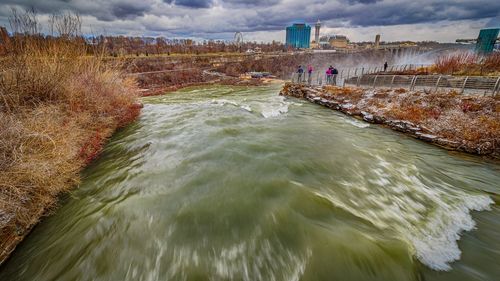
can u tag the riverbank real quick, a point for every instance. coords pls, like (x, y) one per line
(57, 109)
(457, 122)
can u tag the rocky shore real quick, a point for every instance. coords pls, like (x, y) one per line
(457, 122)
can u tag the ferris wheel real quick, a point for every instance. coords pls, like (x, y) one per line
(238, 39)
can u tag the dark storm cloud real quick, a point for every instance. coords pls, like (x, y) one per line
(217, 16)
(363, 1)
(383, 13)
(414, 12)
(129, 10)
(106, 10)
(251, 3)
(191, 3)
(48, 6)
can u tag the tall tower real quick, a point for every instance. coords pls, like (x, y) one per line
(316, 32)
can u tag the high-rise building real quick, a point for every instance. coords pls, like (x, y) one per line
(316, 32)
(377, 40)
(298, 36)
(486, 40)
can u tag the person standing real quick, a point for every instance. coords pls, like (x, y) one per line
(300, 71)
(335, 72)
(385, 66)
(309, 73)
(328, 75)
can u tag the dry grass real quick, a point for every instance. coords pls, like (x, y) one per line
(345, 93)
(468, 64)
(56, 109)
(472, 121)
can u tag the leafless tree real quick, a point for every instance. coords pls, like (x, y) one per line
(25, 22)
(65, 24)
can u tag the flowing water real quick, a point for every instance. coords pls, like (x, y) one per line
(236, 183)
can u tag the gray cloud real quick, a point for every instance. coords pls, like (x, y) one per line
(209, 17)
(191, 3)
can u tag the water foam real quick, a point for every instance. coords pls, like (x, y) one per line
(246, 107)
(430, 217)
(437, 244)
(274, 107)
(356, 123)
(258, 258)
(222, 102)
(274, 111)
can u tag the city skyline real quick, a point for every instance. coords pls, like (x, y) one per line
(360, 20)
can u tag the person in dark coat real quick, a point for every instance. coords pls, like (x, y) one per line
(300, 71)
(335, 72)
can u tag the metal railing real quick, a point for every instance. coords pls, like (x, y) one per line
(319, 77)
(481, 84)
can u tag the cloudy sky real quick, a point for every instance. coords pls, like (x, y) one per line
(264, 20)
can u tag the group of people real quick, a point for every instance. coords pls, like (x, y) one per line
(331, 74)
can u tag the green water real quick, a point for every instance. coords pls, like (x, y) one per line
(227, 183)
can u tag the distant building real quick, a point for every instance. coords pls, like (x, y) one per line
(377, 40)
(338, 41)
(486, 40)
(298, 36)
(334, 42)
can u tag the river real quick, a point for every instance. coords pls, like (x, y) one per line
(238, 183)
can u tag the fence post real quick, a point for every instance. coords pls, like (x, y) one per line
(392, 80)
(362, 70)
(413, 80)
(495, 87)
(358, 81)
(437, 83)
(375, 81)
(348, 73)
(463, 86)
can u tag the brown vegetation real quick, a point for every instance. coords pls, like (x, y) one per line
(468, 64)
(457, 117)
(56, 109)
(466, 123)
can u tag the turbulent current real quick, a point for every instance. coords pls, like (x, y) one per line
(239, 183)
